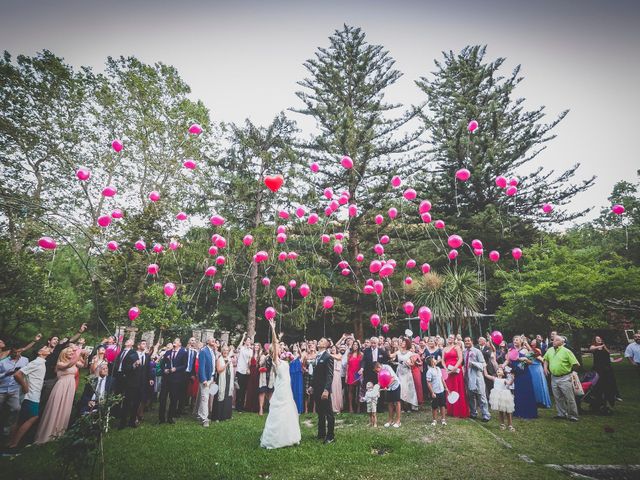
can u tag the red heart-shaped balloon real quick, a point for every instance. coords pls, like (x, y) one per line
(274, 182)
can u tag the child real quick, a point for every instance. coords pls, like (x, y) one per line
(501, 398)
(392, 395)
(438, 390)
(371, 397)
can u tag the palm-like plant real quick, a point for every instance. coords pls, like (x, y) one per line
(453, 297)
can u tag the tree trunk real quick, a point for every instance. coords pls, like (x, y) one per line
(253, 274)
(354, 248)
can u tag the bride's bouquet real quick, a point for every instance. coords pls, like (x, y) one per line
(287, 357)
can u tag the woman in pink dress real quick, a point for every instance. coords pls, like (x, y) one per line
(336, 385)
(353, 367)
(55, 418)
(452, 356)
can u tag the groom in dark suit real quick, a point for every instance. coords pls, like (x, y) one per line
(322, 379)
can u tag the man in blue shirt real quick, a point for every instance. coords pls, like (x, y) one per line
(9, 388)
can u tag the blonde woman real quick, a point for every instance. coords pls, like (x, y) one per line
(57, 412)
(98, 358)
(224, 398)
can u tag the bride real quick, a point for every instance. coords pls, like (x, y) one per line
(282, 428)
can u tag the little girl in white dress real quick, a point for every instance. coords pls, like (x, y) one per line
(501, 398)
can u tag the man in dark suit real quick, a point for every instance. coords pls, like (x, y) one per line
(96, 390)
(190, 372)
(370, 356)
(139, 376)
(120, 378)
(173, 365)
(322, 379)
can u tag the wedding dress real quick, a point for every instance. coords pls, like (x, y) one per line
(282, 428)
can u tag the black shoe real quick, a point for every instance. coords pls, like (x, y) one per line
(485, 420)
(473, 417)
(171, 421)
(327, 441)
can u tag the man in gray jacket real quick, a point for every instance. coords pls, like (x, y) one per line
(473, 364)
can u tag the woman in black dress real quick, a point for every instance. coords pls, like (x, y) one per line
(602, 366)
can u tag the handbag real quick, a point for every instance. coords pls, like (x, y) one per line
(577, 386)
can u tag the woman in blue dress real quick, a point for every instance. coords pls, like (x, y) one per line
(525, 400)
(297, 383)
(540, 387)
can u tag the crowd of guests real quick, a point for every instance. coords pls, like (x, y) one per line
(451, 376)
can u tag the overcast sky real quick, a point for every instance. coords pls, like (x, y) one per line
(242, 58)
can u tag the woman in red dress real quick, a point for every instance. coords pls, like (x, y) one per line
(452, 357)
(416, 371)
(353, 366)
(251, 398)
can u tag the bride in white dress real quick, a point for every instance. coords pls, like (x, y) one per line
(282, 428)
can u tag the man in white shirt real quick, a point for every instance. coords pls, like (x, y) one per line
(245, 351)
(9, 388)
(31, 379)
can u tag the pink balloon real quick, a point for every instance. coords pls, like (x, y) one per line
(501, 181)
(439, 224)
(140, 245)
(375, 266)
(453, 254)
(334, 205)
(266, 282)
(345, 272)
(379, 249)
(547, 208)
(109, 191)
(496, 337)
(247, 240)
(47, 243)
(304, 290)
(425, 206)
(375, 320)
(337, 247)
(169, 289)
(410, 194)
(345, 194)
(411, 263)
(424, 325)
(282, 256)
(516, 253)
(281, 291)
(379, 219)
(426, 217)
(343, 200)
(217, 220)
(189, 163)
(368, 289)
(104, 221)
(392, 262)
(343, 264)
(463, 174)
(426, 268)
(353, 210)
(511, 191)
(153, 269)
(473, 126)
(157, 248)
(213, 250)
(455, 241)
(261, 256)
(408, 280)
(314, 167)
(270, 313)
(133, 313)
(220, 260)
(396, 181)
(324, 238)
(283, 214)
(378, 287)
(424, 314)
(292, 283)
(221, 242)
(281, 237)
(117, 145)
(513, 181)
(346, 162)
(386, 271)
(154, 196)
(475, 243)
(478, 252)
(173, 245)
(339, 236)
(494, 256)
(281, 229)
(618, 209)
(181, 216)
(328, 193)
(384, 377)
(195, 129)
(300, 212)
(385, 328)
(83, 174)
(393, 213)
(359, 257)
(313, 219)
(408, 308)
(513, 355)
(112, 245)
(217, 286)
(328, 302)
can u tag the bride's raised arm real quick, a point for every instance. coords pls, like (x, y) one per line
(275, 343)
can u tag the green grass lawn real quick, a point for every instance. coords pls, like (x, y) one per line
(463, 449)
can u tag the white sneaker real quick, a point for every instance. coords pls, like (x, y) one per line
(205, 424)
(444, 422)
(396, 425)
(387, 425)
(434, 423)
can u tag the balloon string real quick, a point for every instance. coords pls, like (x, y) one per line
(51, 265)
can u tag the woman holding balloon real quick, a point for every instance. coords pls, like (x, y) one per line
(405, 363)
(519, 361)
(388, 381)
(454, 379)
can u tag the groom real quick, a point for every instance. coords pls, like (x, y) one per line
(322, 379)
